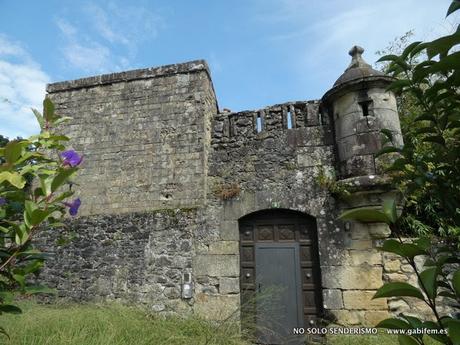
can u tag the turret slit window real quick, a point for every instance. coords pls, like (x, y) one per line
(289, 119)
(258, 123)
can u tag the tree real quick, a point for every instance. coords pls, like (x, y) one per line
(427, 167)
(26, 208)
(427, 171)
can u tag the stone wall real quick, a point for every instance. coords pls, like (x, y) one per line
(253, 168)
(142, 134)
(135, 257)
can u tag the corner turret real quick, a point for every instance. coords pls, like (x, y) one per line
(361, 106)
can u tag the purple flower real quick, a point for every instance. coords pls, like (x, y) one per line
(73, 206)
(71, 158)
(3, 201)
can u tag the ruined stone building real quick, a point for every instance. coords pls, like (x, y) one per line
(177, 195)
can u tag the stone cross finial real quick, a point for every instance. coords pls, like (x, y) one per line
(356, 58)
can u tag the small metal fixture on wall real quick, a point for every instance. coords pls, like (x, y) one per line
(187, 286)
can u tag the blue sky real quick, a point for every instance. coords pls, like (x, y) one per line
(261, 52)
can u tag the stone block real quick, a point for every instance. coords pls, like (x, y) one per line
(363, 257)
(406, 268)
(216, 265)
(362, 299)
(346, 317)
(332, 299)
(314, 156)
(224, 247)
(215, 307)
(343, 277)
(361, 244)
(359, 231)
(392, 266)
(397, 277)
(236, 208)
(372, 318)
(229, 230)
(398, 305)
(229, 285)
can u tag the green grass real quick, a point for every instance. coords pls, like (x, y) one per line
(113, 324)
(108, 325)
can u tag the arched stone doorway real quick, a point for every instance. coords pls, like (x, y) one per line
(279, 273)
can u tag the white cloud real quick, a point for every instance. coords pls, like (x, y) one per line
(90, 58)
(108, 37)
(22, 86)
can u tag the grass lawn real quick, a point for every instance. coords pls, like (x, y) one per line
(91, 324)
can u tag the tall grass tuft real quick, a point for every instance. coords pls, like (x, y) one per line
(111, 324)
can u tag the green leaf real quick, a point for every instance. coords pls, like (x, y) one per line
(62, 177)
(423, 243)
(39, 216)
(48, 110)
(442, 45)
(398, 289)
(389, 208)
(454, 331)
(454, 6)
(399, 85)
(407, 250)
(389, 57)
(365, 214)
(13, 151)
(39, 117)
(428, 279)
(22, 235)
(61, 120)
(409, 49)
(30, 207)
(437, 139)
(393, 323)
(413, 321)
(13, 178)
(446, 64)
(456, 282)
(45, 183)
(387, 133)
(407, 340)
(33, 266)
(424, 130)
(388, 149)
(425, 117)
(2, 331)
(439, 337)
(11, 309)
(447, 294)
(21, 279)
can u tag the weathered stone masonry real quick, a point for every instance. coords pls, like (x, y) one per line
(159, 157)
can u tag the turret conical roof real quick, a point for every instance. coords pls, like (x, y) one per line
(358, 68)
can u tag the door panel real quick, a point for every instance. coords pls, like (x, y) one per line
(278, 281)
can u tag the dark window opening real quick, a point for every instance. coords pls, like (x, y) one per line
(366, 107)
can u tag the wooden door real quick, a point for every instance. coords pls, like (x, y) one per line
(280, 277)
